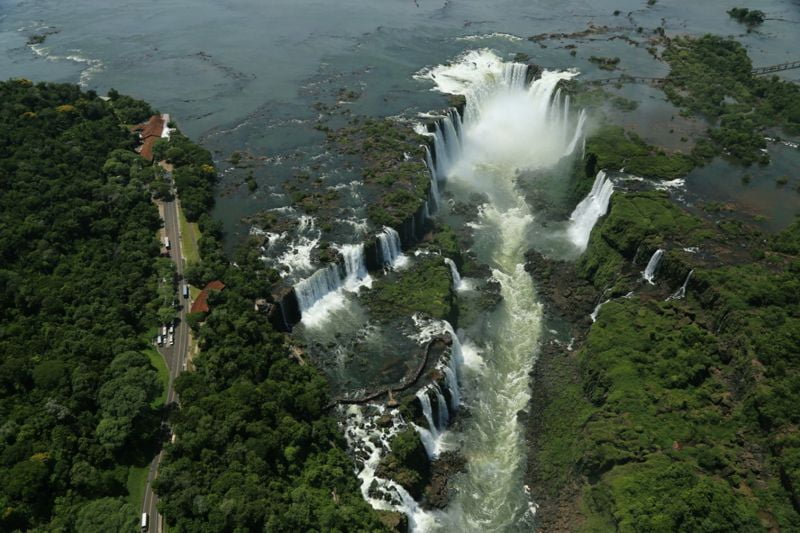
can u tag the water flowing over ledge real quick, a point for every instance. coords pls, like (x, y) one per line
(649, 273)
(589, 211)
(510, 122)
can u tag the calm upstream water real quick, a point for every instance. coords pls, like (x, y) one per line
(245, 76)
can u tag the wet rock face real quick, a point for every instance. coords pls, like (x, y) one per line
(560, 287)
(394, 521)
(407, 463)
(437, 494)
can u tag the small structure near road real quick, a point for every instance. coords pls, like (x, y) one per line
(149, 132)
(200, 305)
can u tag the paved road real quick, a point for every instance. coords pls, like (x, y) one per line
(175, 356)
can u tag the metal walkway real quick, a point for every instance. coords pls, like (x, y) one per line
(658, 81)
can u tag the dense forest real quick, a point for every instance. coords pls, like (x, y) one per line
(677, 412)
(79, 396)
(77, 291)
(257, 448)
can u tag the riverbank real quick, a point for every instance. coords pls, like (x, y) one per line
(669, 395)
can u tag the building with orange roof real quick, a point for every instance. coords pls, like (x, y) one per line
(200, 304)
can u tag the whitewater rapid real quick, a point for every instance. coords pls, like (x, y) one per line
(508, 126)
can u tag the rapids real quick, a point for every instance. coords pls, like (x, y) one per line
(509, 125)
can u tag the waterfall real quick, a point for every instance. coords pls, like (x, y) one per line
(681, 292)
(459, 284)
(453, 141)
(593, 316)
(391, 251)
(453, 370)
(452, 387)
(320, 293)
(589, 210)
(369, 443)
(312, 289)
(650, 270)
(431, 437)
(354, 264)
(510, 124)
(441, 407)
(437, 199)
(440, 150)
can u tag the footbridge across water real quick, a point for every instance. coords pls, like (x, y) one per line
(758, 71)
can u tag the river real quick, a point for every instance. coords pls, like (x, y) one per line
(245, 77)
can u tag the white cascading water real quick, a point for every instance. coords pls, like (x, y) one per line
(508, 126)
(597, 308)
(369, 442)
(459, 284)
(322, 292)
(681, 292)
(453, 387)
(391, 251)
(441, 407)
(437, 199)
(430, 436)
(649, 273)
(589, 210)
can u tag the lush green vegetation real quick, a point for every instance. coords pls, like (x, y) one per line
(681, 417)
(407, 463)
(193, 173)
(256, 449)
(399, 183)
(129, 110)
(615, 148)
(711, 76)
(425, 287)
(749, 17)
(605, 63)
(80, 414)
(78, 289)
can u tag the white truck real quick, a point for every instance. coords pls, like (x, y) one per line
(166, 242)
(144, 522)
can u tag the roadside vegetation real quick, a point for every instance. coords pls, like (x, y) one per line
(78, 290)
(256, 447)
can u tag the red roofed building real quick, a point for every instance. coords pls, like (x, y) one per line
(200, 305)
(149, 133)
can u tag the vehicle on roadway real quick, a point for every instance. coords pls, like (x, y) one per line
(160, 340)
(185, 290)
(166, 243)
(144, 521)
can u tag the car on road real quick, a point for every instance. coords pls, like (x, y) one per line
(185, 290)
(171, 339)
(160, 340)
